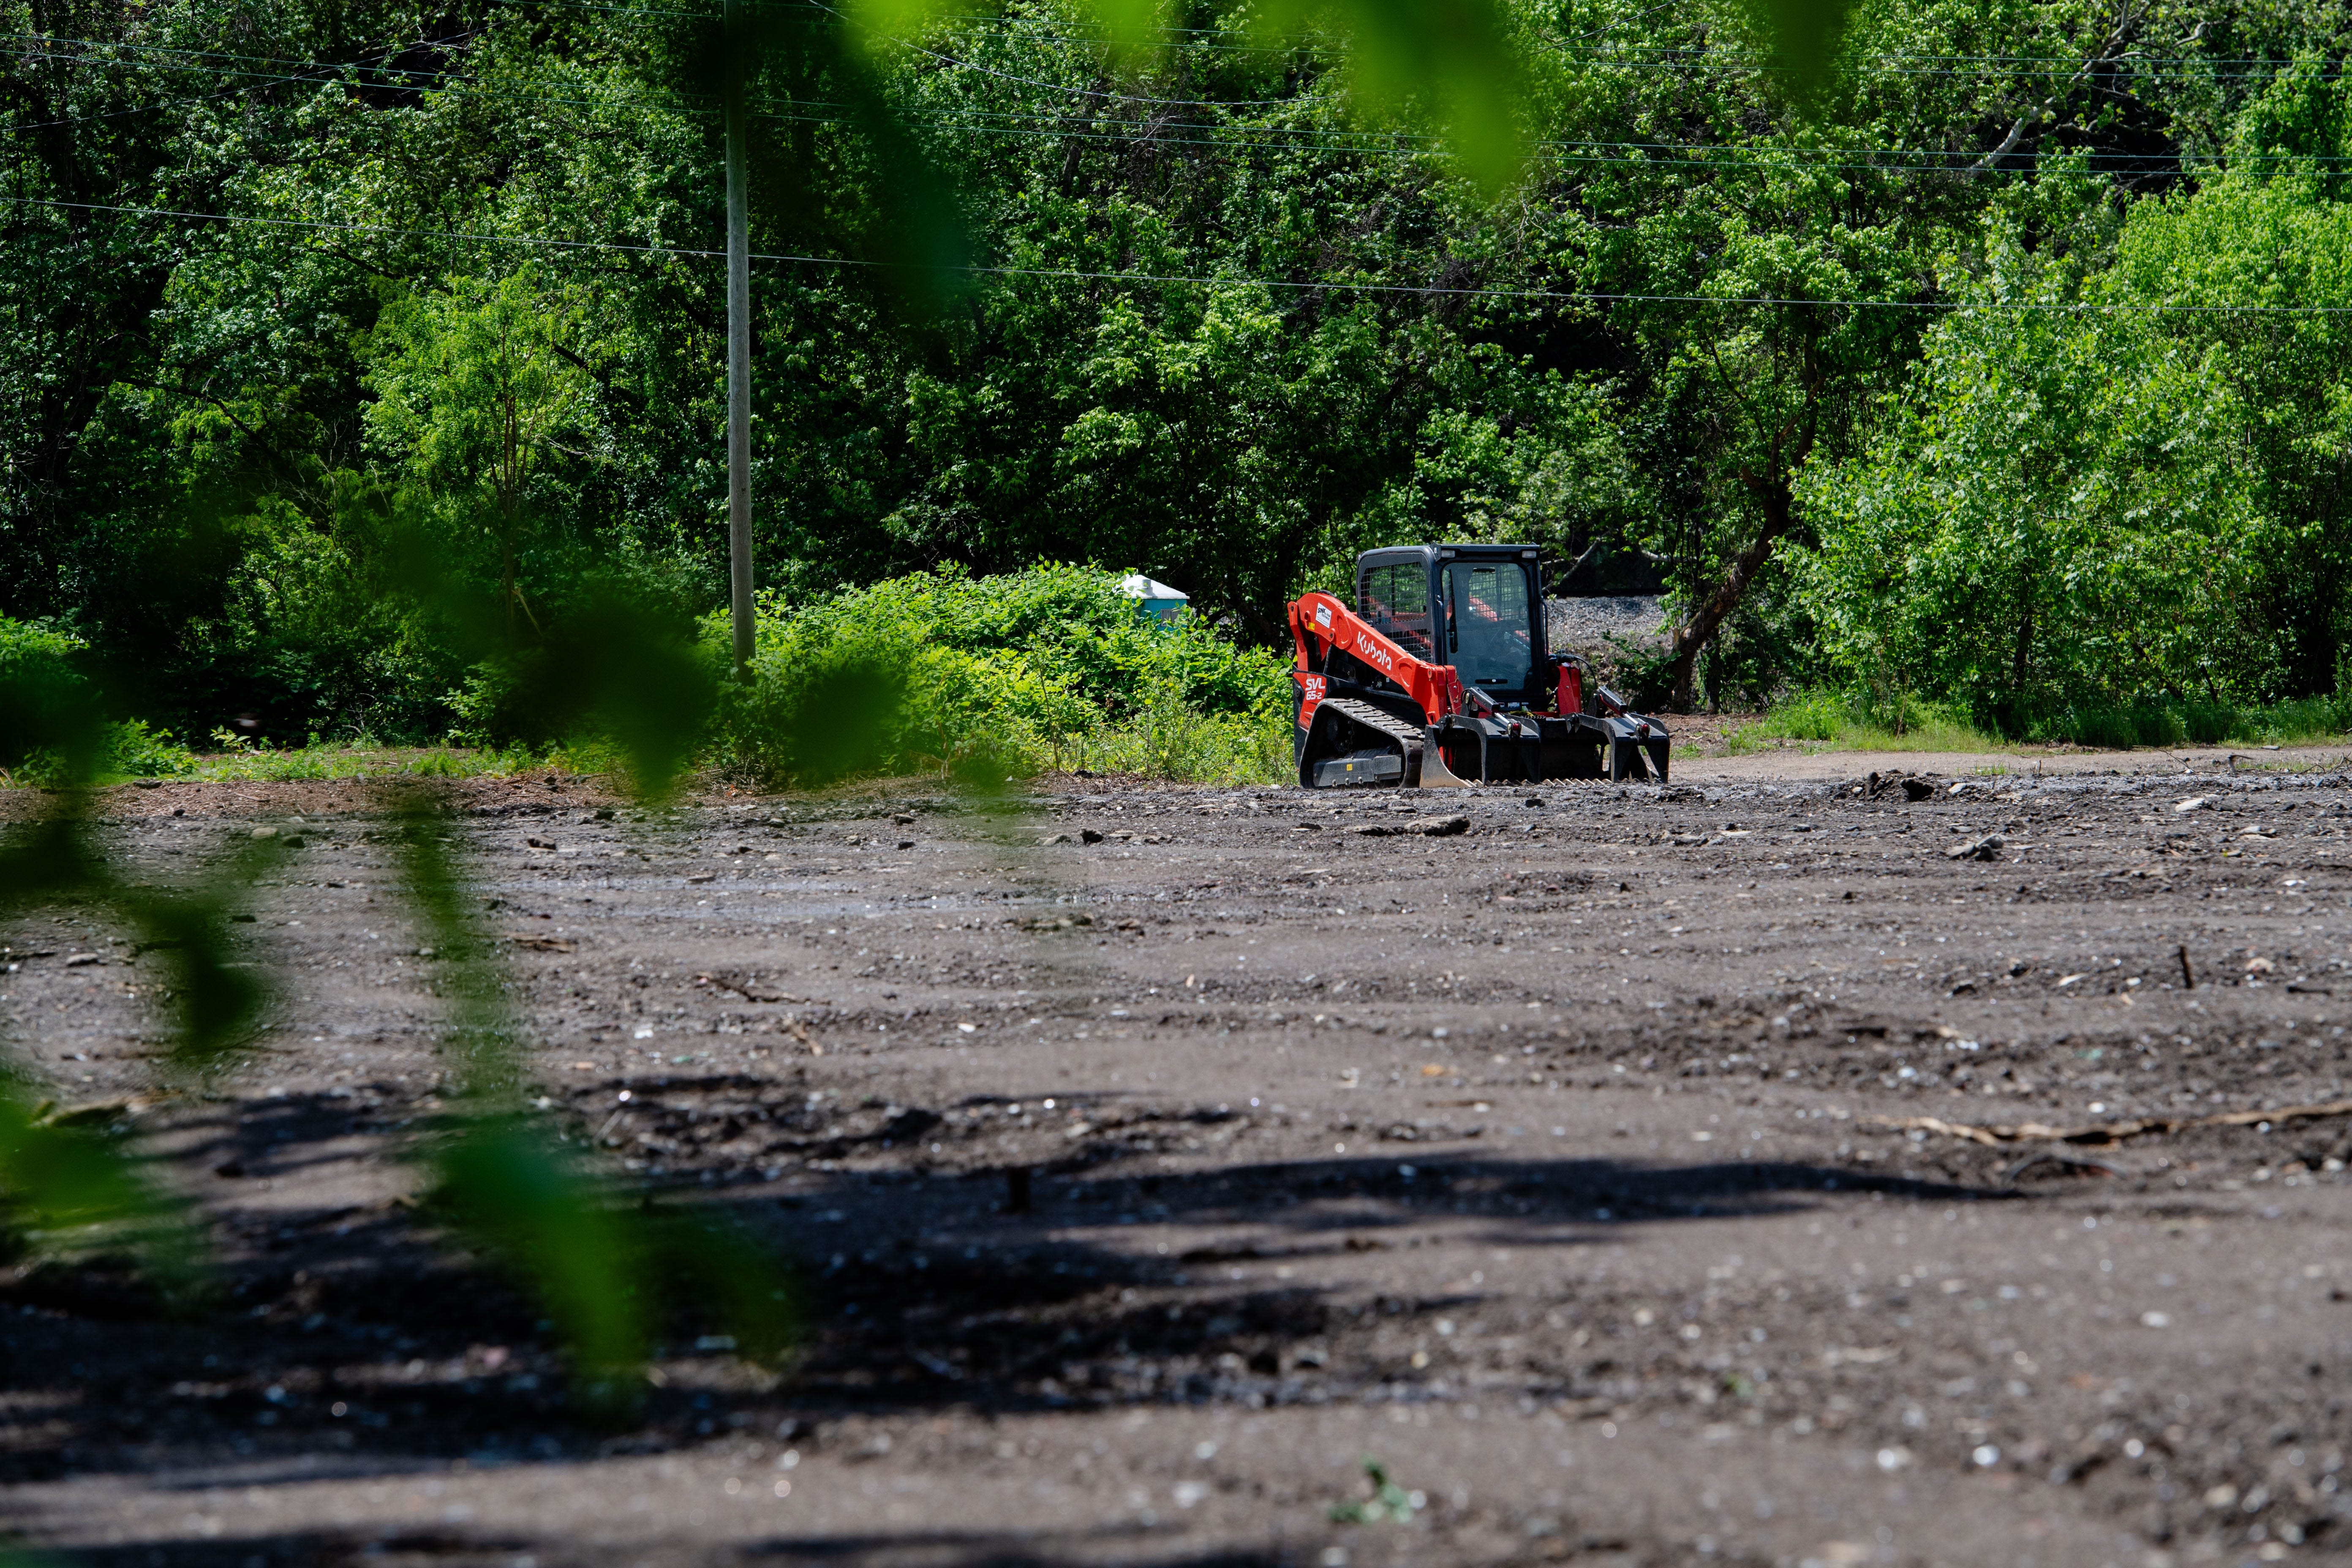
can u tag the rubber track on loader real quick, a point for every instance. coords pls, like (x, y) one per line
(1409, 736)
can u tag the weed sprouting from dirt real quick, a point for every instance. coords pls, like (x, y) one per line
(1388, 1504)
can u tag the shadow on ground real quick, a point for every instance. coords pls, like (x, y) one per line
(449, 1548)
(359, 1338)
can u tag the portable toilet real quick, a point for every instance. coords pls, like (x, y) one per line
(1158, 601)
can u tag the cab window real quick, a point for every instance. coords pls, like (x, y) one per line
(1396, 604)
(1492, 624)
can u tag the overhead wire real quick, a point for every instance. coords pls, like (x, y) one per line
(1699, 159)
(125, 44)
(1676, 55)
(311, 74)
(1655, 156)
(440, 81)
(2069, 62)
(1208, 279)
(417, 77)
(1035, 81)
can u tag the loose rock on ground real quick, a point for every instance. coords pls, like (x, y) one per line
(1586, 1170)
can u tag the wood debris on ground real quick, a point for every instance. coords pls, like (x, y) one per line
(2110, 1132)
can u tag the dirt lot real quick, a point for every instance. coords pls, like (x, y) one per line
(1548, 1165)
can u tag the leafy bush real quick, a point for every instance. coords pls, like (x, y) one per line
(1171, 739)
(612, 667)
(311, 633)
(52, 730)
(2311, 719)
(991, 676)
(134, 751)
(1810, 716)
(44, 697)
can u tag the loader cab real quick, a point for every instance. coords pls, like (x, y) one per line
(1478, 607)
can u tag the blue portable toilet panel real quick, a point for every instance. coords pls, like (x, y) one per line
(1159, 602)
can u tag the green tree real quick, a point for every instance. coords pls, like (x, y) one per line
(479, 385)
(2078, 507)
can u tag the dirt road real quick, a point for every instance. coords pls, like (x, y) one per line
(1560, 1167)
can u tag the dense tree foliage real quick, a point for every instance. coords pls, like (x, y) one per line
(1993, 365)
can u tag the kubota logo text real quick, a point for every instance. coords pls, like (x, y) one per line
(1368, 648)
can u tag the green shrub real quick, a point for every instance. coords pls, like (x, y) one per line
(48, 726)
(1171, 738)
(2207, 723)
(2107, 729)
(614, 668)
(993, 677)
(2311, 719)
(135, 751)
(52, 727)
(1810, 716)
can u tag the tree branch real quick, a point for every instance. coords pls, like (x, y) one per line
(2049, 109)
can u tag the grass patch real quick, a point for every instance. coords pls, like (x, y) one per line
(1831, 721)
(2305, 722)
(351, 760)
(360, 761)
(2314, 721)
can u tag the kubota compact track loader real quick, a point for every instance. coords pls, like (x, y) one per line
(1441, 675)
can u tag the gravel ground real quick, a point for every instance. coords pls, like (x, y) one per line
(1604, 625)
(1559, 1165)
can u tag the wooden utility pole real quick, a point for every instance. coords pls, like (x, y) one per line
(739, 347)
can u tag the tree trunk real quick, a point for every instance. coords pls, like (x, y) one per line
(2023, 661)
(1691, 638)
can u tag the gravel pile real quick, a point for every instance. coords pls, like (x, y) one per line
(1591, 626)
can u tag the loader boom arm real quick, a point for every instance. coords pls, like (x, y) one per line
(1321, 624)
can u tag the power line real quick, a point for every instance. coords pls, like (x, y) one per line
(2070, 62)
(1046, 125)
(120, 44)
(417, 75)
(1035, 81)
(1669, 154)
(1701, 159)
(221, 92)
(430, 81)
(1648, 156)
(1642, 56)
(1676, 55)
(1210, 280)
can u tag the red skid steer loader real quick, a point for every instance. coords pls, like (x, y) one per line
(1440, 676)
